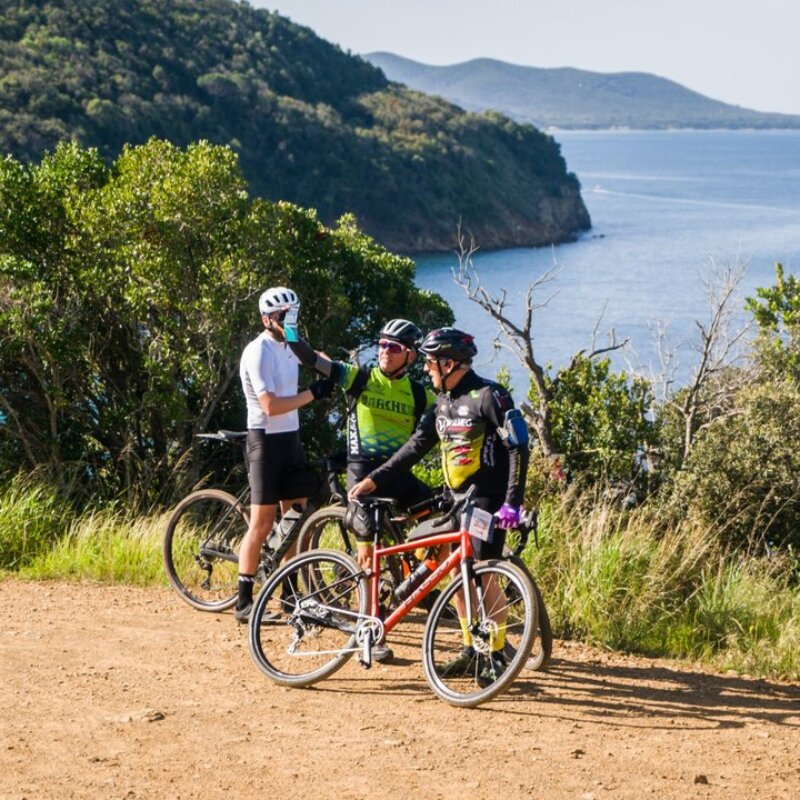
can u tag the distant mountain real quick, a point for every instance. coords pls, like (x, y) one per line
(573, 98)
(311, 124)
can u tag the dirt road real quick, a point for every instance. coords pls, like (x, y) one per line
(112, 692)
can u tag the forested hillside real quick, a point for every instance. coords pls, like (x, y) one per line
(574, 98)
(311, 123)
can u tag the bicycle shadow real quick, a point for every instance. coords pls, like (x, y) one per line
(626, 694)
(623, 695)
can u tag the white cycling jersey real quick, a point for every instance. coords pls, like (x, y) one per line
(269, 366)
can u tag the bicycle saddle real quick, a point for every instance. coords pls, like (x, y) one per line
(226, 436)
(368, 500)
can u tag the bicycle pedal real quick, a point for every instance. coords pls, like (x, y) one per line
(365, 662)
(365, 656)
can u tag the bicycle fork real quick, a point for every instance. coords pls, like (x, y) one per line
(482, 629)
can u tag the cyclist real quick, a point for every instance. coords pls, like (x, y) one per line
(484, 442)
(269, 372)
(384, 406)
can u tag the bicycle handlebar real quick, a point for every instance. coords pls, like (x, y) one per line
(458, 506)
(435, 503)
(529, 521)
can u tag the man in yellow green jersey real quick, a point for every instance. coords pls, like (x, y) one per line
(384, 407)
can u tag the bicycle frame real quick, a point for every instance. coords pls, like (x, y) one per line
(462, 557)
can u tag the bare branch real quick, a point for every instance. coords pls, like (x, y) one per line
(713, 385)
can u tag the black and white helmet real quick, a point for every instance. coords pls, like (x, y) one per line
(278, 298)
(402, 331)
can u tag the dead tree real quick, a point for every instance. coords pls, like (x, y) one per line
(717, 375)
(518, 338)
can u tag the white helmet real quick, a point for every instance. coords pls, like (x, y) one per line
(278, 298)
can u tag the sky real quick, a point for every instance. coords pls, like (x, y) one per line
(744, 52)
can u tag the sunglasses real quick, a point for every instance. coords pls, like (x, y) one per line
(391, 347)
(437, 362)
(279, 316)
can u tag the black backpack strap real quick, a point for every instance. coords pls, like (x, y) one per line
(420, 399)
(356, 387)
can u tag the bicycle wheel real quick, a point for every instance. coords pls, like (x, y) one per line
(325, 530)
(542, 648)
(200, 548)
(468, 675)
(301, 632)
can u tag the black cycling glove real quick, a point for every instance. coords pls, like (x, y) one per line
(322, 388)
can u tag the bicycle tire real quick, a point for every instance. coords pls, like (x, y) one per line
(542, 648)
(443, 641)
(300, 634)
(205, 523)
(325, 530)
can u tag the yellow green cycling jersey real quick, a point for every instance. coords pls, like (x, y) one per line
(382, 412)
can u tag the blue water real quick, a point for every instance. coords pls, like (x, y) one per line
(664, 206)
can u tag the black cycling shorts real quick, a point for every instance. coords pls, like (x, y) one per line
(407, 490)
(276, 465)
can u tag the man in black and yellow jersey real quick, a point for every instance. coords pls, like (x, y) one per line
(484, 443)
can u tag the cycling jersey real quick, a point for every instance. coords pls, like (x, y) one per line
(469, 421)
(383, 412)
(268, 365)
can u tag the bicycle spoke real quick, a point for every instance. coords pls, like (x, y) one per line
(305, 618)
(201, 549)
(467, 663)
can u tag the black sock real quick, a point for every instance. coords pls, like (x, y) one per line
(245, 590)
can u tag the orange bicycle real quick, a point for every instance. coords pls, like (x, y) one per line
(320, 608)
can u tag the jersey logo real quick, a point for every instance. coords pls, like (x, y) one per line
(353, 437)
(445, 425)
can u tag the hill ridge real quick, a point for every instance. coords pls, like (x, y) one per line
(311, 124)
(568, 97)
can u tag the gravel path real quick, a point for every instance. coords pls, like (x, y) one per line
(118, 692)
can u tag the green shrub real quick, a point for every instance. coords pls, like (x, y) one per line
(634, 580)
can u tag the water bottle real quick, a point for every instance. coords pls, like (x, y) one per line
(284, 528)
(413, 581)
(290, 331)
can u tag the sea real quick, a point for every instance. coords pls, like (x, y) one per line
(671, 212)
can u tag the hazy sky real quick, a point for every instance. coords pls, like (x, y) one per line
(745, 52)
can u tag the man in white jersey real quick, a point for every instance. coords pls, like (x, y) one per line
(269, 372)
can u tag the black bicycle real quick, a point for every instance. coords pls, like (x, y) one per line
(205, 530)
(516, 541)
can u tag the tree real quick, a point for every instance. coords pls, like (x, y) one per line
(776, 311)
(595, 419)
(718, 374)
(740, 475)
(127, 295)
(601, 420)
